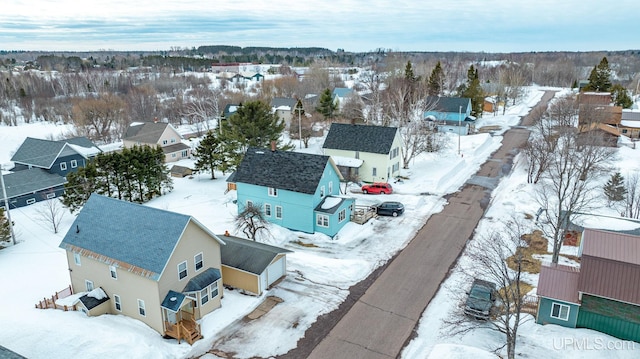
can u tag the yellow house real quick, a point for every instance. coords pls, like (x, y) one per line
(159, 267)
(365, 153)
(157, 134)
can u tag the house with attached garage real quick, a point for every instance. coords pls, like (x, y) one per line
(251, 266)
(365, 153)
(602, 294)
(40, 167)
(157, 134)
(159, 267)
(295, 190)
(450, 114)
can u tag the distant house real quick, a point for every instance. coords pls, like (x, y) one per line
(450, 114)
(630, 123)
(284, 108)
(41, 166)
(295, 190)
(251, 266)
(252, 76)
(159, 267)
(157, 134)
(367, 153)
(340, 95)
(603, 294)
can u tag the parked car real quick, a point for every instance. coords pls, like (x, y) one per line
(480, 299)
(377, 188)
(389, 209)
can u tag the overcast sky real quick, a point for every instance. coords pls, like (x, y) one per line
(353, 25)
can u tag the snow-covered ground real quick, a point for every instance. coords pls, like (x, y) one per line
(317, 280)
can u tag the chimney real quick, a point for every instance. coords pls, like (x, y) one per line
(226, 233)
(273, 146)
(155, 120)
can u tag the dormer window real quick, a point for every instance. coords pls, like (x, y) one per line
(164, 142)
(273, 192)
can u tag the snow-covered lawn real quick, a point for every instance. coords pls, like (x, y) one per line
(317, 280)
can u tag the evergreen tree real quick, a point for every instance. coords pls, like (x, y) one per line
(409, 75)
(209, 154)
(436, 81)
(600, 77)
(614, 189)
(326, 106)
(80, 185)
(473, 90)
(621, 96)
(5, 230)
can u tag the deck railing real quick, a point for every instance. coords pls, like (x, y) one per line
(51, 302)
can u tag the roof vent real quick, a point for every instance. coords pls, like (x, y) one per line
(173, 299)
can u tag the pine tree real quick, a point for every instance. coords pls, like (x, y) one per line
(473, 90)
(621, 96)
(436, 81)
(600, 77)
(614, 189)
(209, 154)
(5, 229)
(326, 106)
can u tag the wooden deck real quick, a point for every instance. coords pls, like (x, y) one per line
(46, 303)
(361, 214)
(187, 329)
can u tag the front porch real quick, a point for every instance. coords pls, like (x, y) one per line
(178, 318)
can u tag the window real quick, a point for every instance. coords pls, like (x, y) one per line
(164, 142)
(342, 215)
(63, 166)
(76, 259)
(173, 140)
(204, 296)
(330, 187)
(185, 153)
(141, 309)
(182, 270)
(198, 261)
(374, 171)
(51, 195)
(249, 204)
(117, 303)
(74, 163)
(396, 167)
(322, 220)
(31, 201)
(214, 289)
(279, 212)
(173, 155)
(267, 210)
(89, 285)
(273, 192)
(322, 191)
(112, 270)
(560, 311)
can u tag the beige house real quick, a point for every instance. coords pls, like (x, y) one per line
(159, 267)
(251, 266)
(157, 134)
(365, 153)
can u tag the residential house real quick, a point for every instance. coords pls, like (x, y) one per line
(157, 134)
(602, 294)
(284, 108)
(159, 267)
(295, 190)
(252, 76)
(365, 153)
(40, 167)
(630, 123)
(251, 266)
(340, 95)
(450, 114)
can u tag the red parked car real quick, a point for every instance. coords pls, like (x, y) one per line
(377, 188)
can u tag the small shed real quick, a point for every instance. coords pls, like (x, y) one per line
(251, 266)
(181, 171)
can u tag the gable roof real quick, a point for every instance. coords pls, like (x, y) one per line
(118, 231)
(279, 102)
(371, 139)
(560, 282)
(146, 132)
(448, 104)
(341, 92)
(40, 153)
(291, 171)
(173, 301)
(249, 256)
(613, 246)
(202, 280)
(31, 180)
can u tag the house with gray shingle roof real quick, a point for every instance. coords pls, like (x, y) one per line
(340, 95)
(295, 190)
(284, 108)
(450, 114)
(157, 134)
(160, 267)
(251, 266)
(365, 153)
(31, 186)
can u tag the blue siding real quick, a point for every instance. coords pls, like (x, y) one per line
(21, 201)
(544, 313)
(56, 168)
(334, 223)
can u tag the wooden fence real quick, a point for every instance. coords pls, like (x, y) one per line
(530, 305)
(51, 302)
(361, 214)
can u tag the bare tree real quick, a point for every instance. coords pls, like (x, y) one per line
(202, 109)
(51, 211)
(632, 197)
(251, 220)
(490, 257)
(97, 117)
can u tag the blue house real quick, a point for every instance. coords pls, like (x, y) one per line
(340, 95)
(299, 191)
(450, 114)
(40, 167)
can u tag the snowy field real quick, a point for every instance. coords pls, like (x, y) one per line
(317, 280)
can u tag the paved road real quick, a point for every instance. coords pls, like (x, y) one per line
(381, 322)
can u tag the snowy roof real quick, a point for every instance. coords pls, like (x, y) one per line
(43, 153)
(347, 161)
(630, 123)
(94, 298)
(250, 256)
(329, 204)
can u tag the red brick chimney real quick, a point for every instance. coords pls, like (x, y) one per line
(155, 120)
(273, 146)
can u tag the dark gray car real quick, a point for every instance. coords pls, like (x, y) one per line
(389, 208)
(480, 299)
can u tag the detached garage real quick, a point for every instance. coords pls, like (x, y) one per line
(251, 266)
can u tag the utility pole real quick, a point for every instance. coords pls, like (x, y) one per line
(299, 109)
(459, 126)
(6, 206)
